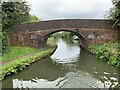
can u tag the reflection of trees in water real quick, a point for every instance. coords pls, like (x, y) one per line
(105, 73)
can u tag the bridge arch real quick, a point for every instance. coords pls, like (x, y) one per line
(82, 38)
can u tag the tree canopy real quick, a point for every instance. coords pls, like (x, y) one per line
(14, 13)
(114, 12)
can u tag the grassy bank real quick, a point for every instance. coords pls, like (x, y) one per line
(22, 63)
(107, 52)
(16, 51)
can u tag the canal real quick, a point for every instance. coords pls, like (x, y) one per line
(68, 67)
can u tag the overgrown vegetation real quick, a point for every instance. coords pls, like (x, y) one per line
(15, 52)
(22, 63)
(108, 52)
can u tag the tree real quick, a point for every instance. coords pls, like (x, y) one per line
(114, 12)
(13, 13)
(33, 18)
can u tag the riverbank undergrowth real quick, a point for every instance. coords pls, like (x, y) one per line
(108, 52)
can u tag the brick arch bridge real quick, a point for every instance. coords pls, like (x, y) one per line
(90, 31)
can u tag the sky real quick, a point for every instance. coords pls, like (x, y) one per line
(69, 9)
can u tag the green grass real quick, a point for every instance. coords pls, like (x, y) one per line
(108, 52)
(16, 51)
(22, 63)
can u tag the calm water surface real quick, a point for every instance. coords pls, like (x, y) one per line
(68, 67)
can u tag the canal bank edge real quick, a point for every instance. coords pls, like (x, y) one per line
(22, 63)
(107, 52)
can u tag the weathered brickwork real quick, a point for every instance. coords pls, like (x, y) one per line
(99, 35)
(90, 31)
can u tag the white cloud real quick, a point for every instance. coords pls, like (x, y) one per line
(58, 9)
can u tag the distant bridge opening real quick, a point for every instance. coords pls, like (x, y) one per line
(82, 39)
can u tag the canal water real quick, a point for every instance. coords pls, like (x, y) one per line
(68, 67)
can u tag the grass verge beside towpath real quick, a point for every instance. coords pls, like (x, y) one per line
(16, 51)
(21, 63)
